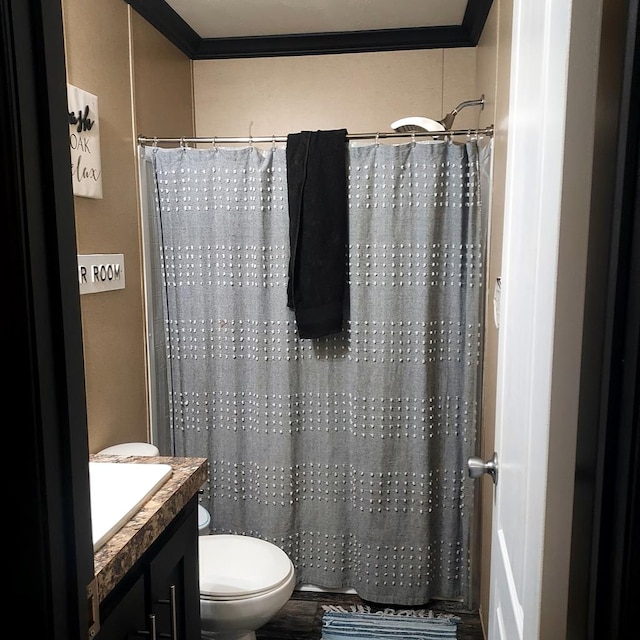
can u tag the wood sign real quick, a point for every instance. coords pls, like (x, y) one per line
(84, 142)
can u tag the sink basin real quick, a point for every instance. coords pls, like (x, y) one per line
(118, 490)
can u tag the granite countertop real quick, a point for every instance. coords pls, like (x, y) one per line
(114, 559)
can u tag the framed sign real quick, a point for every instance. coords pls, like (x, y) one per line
(84, 142)
(100, 272)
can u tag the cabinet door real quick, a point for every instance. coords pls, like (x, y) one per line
(173, 579)
(127, 619)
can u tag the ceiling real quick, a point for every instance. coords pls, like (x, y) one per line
(209, 29)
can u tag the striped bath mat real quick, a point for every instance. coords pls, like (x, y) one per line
(407, 624)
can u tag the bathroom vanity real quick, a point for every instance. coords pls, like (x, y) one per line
(146, 573)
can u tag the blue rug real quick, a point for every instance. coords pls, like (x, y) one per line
(408, 624)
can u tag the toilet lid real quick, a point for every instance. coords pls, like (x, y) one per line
(131, 449)
(232, 565)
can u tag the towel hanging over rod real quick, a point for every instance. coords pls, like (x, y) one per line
(487, 131)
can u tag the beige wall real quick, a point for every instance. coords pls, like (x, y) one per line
(163, 85)
(360, 92)
(98, 41)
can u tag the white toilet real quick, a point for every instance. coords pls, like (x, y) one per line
(128, 449)
(244, 581)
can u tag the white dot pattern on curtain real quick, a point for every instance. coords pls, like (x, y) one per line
(349, 452)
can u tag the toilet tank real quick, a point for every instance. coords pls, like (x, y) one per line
(204, 521)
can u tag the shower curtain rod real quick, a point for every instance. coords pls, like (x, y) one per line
(487, 131)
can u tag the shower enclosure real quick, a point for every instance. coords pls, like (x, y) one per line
(349, 452)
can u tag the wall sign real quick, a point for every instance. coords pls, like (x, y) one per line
(84, 141)
(100, 272)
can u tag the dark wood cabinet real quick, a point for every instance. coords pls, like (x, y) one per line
(174, 592)
(129, 615)
(159, 597)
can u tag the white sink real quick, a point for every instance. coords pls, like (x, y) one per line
(118, 490)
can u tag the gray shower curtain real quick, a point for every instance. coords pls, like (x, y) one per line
(349, 452)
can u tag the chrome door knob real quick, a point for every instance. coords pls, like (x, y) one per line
(477, 467)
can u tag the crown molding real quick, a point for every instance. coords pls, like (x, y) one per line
(165, 19)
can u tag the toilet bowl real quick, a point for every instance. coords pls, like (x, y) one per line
(244, 582)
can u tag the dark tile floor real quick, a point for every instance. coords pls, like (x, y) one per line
(301, 617)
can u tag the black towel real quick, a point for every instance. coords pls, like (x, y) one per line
(318, 230)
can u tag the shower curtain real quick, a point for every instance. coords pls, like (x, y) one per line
(349, 452)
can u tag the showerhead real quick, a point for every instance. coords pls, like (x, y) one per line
(416, 124)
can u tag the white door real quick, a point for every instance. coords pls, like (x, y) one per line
(531, 357)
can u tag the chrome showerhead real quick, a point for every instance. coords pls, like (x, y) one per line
(415, 124)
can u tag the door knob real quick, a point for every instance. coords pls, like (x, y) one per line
(477, 467)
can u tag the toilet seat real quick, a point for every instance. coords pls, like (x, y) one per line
(233, 567)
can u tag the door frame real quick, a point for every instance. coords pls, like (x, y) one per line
(46, 387)
(604, 559)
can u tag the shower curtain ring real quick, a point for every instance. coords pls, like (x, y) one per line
(377, 139)
(215, 143)
(273, 142)
(413, 138)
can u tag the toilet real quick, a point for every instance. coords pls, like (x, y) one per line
(204, 521)
(244, 581)
(127, 449)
